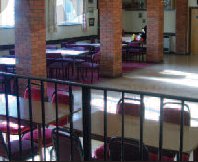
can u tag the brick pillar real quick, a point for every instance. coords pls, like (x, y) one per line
(30, 38)
(181, 26)
(155, 30)
(110, 37)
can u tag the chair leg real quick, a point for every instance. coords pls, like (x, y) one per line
(98, 73)
(92, 70)
(51, 153)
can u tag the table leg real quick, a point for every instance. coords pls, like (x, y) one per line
(40, 142)
(195, 154)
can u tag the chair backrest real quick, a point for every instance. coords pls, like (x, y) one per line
(3, 68)
(97, 49)
(64, 44)
(9, 56)
(35, 92)
(51, 46)
(131, 150)
(53, 55)
(96, 58)
(173, 114)
(12, 51)
(80, 48)
(130, 108)
(3, 147)
(63, 98)
(63, 147)
(134, 44)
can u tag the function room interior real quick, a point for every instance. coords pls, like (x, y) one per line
(109, 80)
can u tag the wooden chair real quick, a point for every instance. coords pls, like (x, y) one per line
(63, 147)
(131, 150)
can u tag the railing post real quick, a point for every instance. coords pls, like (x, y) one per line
(86, 110)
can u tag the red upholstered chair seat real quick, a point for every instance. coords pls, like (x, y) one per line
(99, 152)
(129, 109)
(154, 157)
(48, 136)
(173, 115)
(15, 154)
(35, 93)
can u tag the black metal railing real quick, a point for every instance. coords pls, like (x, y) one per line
(12, 85)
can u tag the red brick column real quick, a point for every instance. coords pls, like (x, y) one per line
(111, 37)
(30, 37)
(155, 30)
(181, 26)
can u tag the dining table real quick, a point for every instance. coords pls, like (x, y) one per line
(37, 113)
(171, 132)
(7, 61)
(94, 44)
(67, 52)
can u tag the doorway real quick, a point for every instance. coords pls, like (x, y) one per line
(194, 31)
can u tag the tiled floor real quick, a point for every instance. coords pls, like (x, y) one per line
(178, 75)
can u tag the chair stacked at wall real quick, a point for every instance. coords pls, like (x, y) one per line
(172, 114)
(56, 64)
(128, 107)
(131, 150)
(93, 65)
(15, 153)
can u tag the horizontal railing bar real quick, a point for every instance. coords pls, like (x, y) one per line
(153, 94)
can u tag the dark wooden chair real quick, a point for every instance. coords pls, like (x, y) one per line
(63, 147)
(131, 150)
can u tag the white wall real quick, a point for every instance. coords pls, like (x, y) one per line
(192, 3)
(132, 22)
(7, 36)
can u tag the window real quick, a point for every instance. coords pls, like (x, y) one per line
(7, 13)
(69, 12)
